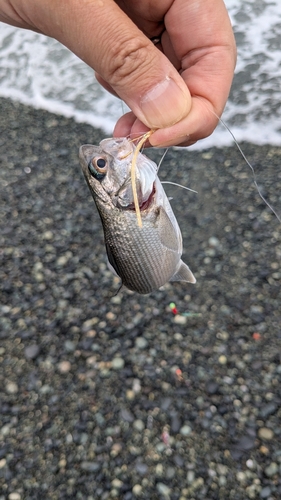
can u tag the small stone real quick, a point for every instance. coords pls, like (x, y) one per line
(222, 480)
(126, 415)
(104, 373)
(185, 430)
(48, 235)
(69, 346)
(212, 387)
(130, 395)
(5, 309)
(39, 276)
(264, 450)
(64, 366)
(180, 320)
(250, 464)
(252, 490)
(45, 389)
(38, 266)
(176, 422)
(89, 323)
(241, 476)
(137, 490)
(116, 483)
(12, 387)
(117, 363)
(117, 299)
(95, 347)
(223, 335)
(141, 468)
(116, 449)
(32, 351)
(268, 409)
(190, 476)
(62, 260)
(163, 489)
(138, 425)
(265, 433)
(159, 469)
(222, 469)
(14, 496)
(136, 385)
(213, 241)
(141, 343)
(208, 155)
(200, 402)
(90, 466)
(170, 472)
(110, 315)
(198, 483)
(222, 360)
(68, 438)
(265, 492)
(5, 430)
(225, 310)
(271, 470)
(246, 443)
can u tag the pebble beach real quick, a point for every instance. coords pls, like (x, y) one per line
(171, 396)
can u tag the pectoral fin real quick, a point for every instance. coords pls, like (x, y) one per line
(183, 273)
(168, 234)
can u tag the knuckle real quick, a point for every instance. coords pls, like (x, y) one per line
(129, 57)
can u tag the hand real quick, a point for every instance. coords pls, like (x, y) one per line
(177, 87)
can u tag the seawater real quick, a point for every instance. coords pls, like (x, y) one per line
(39, 71)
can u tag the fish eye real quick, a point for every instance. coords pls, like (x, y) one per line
(98, 168)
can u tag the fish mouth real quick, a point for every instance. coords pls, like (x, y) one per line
(145, 204)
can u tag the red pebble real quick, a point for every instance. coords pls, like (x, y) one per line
(165, 438)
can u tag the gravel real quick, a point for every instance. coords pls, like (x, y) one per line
(108, 396)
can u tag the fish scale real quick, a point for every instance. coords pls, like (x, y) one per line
(140, 263)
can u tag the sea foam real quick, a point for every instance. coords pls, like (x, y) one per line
(40, 72)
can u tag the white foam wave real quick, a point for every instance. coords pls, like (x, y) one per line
(40, 72)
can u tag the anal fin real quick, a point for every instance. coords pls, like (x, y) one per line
(183, 273)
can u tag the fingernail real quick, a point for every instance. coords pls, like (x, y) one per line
(165, 104)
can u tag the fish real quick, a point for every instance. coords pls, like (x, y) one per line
(147, 257)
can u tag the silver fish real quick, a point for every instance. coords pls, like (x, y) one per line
(146, 257)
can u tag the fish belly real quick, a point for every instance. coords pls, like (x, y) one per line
(137, 254)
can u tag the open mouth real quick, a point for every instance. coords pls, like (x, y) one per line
(143, 206)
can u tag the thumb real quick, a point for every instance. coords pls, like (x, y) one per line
(102, 35)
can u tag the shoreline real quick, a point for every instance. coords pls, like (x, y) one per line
(93, 404)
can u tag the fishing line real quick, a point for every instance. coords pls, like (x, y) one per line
(252, 169)
(170, 182)
(160, 162)
(245, 159)
(179, 185)
(147, 135)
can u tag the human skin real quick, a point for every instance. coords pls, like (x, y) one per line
(177, 87)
